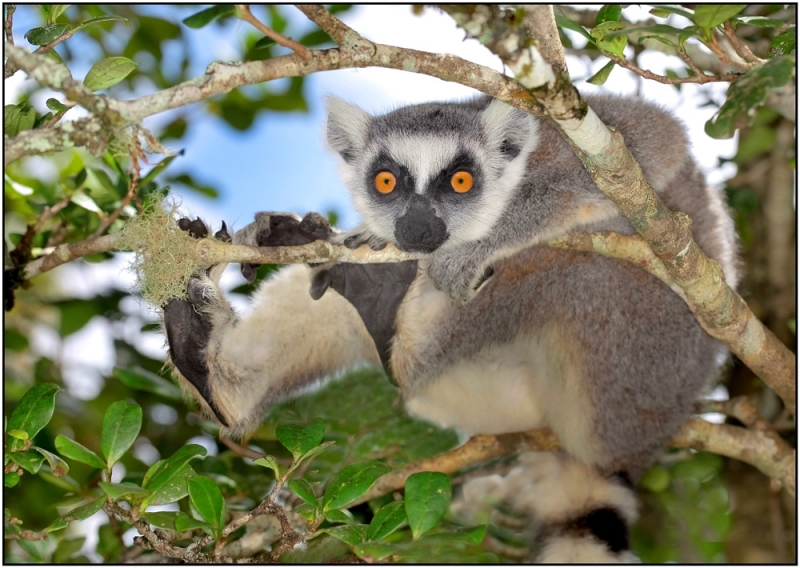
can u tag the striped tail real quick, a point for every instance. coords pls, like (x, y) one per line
(580, 516)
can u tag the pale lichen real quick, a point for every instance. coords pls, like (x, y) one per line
(165, 255)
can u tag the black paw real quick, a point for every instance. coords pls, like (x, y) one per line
(282, 229)
(358, 239)
(188, 332)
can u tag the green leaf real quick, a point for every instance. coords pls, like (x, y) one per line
(304, 490)
(141, 379)
(298, 438)
(78, 514)
(108, 544)
(615, 45)
(19, 435)
(108, 72)
(665, 11)
(162, 519)
(270, 462)
(125, 489)
(387, 520)
(205, 17)
(28, 460)
(342, 516)
(264, 42)
(352, 482)
(306, 511)
(654, 29)
(100, 20)
(759, 21)
(45, 35)
(784, 43)
(184, 523)
(601, 76)
(157, 169)
(58, 467)
(121, 425)
(375, 551)
(66, 548)
(56, 10)
(56, 105)
(209, 502)
(17, 118)
(748, 93)
(174, 490)
(709, 16)
(427, 496)
(78, 452)
(656, 479)
(10, 479)
(608, 13)
(85, 201)
(563, 22)
(466, 535)
(65, 482)
(34, 410)
(162, 471)
(348, 534)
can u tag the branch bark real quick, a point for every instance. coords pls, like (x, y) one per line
(763, 449)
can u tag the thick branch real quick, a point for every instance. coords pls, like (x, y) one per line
(541, 22)
(720, 310)
(220, 77)
(764, 450)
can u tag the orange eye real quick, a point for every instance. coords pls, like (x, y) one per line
(461, 182)
(385, 182)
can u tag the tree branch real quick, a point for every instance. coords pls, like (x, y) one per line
(248, 16)
(764, 450)
(719, 309)
(541, 22)
(111, 114)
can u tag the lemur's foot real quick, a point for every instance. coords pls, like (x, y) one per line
(281, 229)
(458, 274)
(188, 323)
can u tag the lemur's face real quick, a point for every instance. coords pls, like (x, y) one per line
(432, 175)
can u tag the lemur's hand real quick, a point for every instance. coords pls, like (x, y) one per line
(460, 273)
(281, 229)
(359, 236)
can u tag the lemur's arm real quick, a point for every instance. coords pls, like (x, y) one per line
(236, 368)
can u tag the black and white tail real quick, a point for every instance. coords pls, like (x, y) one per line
(580, 516)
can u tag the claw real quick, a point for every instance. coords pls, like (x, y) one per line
(223, 234)
(249, 271)
(198, 229)
(320, 283)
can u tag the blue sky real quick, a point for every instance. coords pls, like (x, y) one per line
(280, 164)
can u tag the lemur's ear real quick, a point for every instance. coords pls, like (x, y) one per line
(509, 129)
(347, 128)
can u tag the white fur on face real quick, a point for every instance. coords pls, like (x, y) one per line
(424, 156)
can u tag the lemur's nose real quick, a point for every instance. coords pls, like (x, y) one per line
(419, 229)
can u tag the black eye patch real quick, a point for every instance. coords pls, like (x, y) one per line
(385, 163)
(440, 187)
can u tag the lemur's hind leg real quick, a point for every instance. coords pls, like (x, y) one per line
(188, 323)
(238, 367)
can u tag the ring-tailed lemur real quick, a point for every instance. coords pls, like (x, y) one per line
(593, 347)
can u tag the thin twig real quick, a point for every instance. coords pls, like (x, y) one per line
(702, 78)
(8, 23)
(298, 48)
(135, 171)
(243, 451)
(741, 49)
